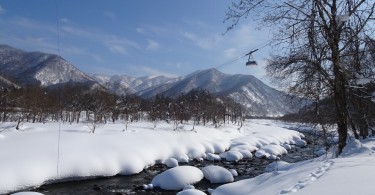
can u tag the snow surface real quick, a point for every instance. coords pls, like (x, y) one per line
(27, 193)
(191, 192)
(217, 174)
(178, 177)
(351, 173)
(29, 157)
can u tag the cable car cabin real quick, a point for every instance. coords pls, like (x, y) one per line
(251, 63)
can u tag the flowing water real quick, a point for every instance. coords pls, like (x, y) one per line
(133, 184)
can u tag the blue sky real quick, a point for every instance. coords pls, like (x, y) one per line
(134, 37)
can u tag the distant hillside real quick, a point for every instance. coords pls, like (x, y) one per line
(258, 98)
(37, 68)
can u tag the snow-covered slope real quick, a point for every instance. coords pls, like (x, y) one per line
(123, 84)
(351, 173)
(258, 98)
(37, 68)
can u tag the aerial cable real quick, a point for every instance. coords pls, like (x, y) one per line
(58, 60)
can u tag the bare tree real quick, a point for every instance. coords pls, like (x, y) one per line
(321, 47)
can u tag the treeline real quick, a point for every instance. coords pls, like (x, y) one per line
(73, 103)
(360, 108)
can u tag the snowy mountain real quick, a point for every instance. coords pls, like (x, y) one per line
(6, 84)
(123, 84)
(258, 98)
(37, 68)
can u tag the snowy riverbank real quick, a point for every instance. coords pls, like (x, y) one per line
(29, 157)
(351, 173)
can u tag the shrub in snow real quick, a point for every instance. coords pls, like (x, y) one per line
(177, 177)
(213, 157)
(191, 192)
(232, 156)
(171, 162)
(217, 174)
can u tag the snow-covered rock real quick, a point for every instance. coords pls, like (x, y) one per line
(177, 177)
(171, 162)
(213, 157)
(269, 151)
(246, 154)
(191, 192)
(232, 156)
(217, 174)
(234, 172)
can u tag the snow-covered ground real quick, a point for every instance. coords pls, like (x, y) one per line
(351, 173)
(29, 157)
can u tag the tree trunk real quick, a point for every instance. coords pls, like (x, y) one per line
(339, 91)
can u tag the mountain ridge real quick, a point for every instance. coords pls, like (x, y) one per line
(49, 70)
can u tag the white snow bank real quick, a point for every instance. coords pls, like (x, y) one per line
(178, 177)
(171, 162)
(213, 157)
(217, 174)
(29, 157)
(232, 156)
(27, 193)
(191, 192)
(352, 173)
(277, 166)
(270, 150)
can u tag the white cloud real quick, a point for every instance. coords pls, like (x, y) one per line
(117, 49)
(109, 14)
(140, 30)
(156, 72)
(203, 42)
(231, 53)
(64, 20)
(116, 44)
(152, 45)
(2, 10)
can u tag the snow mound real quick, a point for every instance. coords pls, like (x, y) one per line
(246, 154)
(355, 147)
(171, 162)
(232, 156)
(234, 172)
(213, 157)
(320, 152)
(244, 147)
(191, 192)
(270, 151)
(217, 174)
(277, 166)
(177, 177)
(27, 193)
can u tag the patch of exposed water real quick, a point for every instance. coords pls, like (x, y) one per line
(133, 184)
